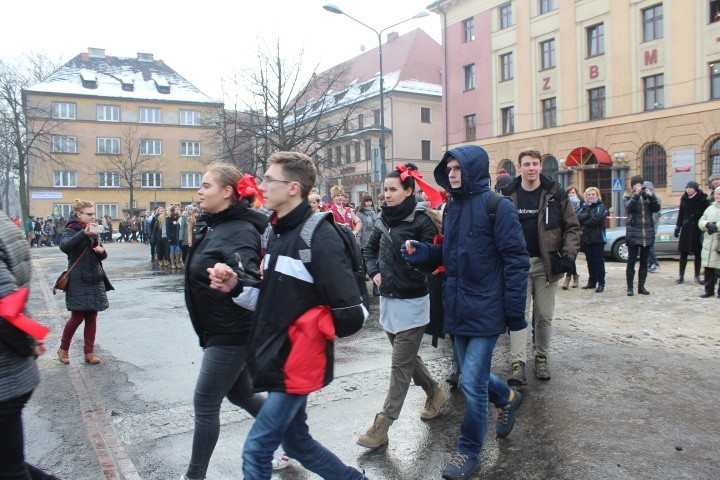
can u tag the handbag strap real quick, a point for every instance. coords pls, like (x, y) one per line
(78, 259)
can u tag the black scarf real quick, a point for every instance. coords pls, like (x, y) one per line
(397, 213)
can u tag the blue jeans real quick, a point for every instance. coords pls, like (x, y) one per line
(222, 374)
(174, 249)
(478, 383)
(283, 419)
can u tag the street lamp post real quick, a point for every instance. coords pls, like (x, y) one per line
(335, 9)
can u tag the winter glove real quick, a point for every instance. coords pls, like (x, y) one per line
(561, 263)
(515, 324)
(421, 255)
(677, 232)
(711, 227)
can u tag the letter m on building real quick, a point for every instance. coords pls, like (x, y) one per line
(651, 57)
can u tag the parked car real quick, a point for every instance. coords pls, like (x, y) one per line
(665, 242)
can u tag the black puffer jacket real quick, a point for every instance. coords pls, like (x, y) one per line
(592, 221)
(382, 255)
(88, 282)
(691, 209)
(225, 237)
(640, 225)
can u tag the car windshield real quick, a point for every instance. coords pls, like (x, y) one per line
(669, 217)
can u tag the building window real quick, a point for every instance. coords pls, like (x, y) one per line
(376, 117)
(330, 156)
(425, 114)
(470, 127)
(65, 179)
(508, 166)
(63, 111)
(468, 30)
(547, 50)
(505, 15)
(108, 113)
(151, 180)
(550, 167)
(108, 146)
(654, 92)
(508, 120)
(348, 155)
(714, 10)
(424, 149)
(345, 126)
(338, 155)
(714, 157)
(189, 117)
(469, 76)
(64, 209)
(546, 6)
(361, 122)
(652, 19)
(506, 67)
(108, 179)
(150, 115)
(103, 210)
(64, 144)
(150, 147)
(655, 165)
(357, 151)
(596, 100)
(549, 108)
(714, 81)
(190, 180)
(189, 149)
(368, 149)
(596, 40)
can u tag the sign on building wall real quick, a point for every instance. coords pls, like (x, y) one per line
(683, 169)
(46, 195)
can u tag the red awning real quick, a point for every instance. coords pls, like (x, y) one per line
(588, 156)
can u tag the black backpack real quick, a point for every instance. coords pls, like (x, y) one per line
(352, 249)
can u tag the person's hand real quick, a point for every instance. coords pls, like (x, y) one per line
(40, 348)
(99, 250)
(222, 278)
(649, 193)
(377, 280)
(677, 232)
(638, 187)
(88, 232)
(415, 252)
(515, 324)
(711, 227)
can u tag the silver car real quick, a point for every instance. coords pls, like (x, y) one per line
(665, 242)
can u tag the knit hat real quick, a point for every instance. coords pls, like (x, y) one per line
(367, 197)
(693, 184)
(636, 179)
(336, 190)
(502, 180)
(649, 185)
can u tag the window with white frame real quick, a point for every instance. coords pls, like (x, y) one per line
(65, 178)
(151, 180)
(508, 120)
(103, 210)
(189, 149)
(505, 15)
(190, 180)
(507, 71)
(108, 146)
(468, 30)
(64, 111)
(64, 144)
(108, 113)
(108, 179)
(547, 49)
(189, 117)
(150, 115)
(64, 209)
(150, 147)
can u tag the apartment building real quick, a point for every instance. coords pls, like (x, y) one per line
(111, 121)
(605, 89)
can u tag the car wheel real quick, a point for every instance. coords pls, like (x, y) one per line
(620, 250)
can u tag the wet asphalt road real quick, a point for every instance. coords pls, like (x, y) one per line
(610, 412)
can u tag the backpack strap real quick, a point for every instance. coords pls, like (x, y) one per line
(492, 206)
(308, 230)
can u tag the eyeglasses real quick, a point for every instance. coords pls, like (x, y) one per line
(455, 168)
(89, 214)
(274, 180)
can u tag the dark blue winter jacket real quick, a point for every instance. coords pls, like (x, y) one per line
(486, 268)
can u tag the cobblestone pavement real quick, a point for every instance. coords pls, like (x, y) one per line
(632, 394)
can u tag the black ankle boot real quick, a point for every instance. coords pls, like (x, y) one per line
(680, 279)
(629, 278)
(642, 275)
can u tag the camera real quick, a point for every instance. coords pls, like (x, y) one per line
(95, 229)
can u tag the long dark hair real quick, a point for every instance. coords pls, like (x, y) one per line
(409, 181)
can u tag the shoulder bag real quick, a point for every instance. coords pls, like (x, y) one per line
(62, 281)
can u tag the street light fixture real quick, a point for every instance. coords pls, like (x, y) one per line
(337, 10)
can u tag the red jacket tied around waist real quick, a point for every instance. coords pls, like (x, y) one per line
(310, 336)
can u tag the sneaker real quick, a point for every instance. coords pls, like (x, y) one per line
(541, 368)
(434, 403)
(517, 375)
(280, 460)
(460, 467)
(506, 416)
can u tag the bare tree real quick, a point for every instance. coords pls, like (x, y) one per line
(25, 128)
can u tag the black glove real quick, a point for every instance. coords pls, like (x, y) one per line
(561, 263)
(677, 232)
(711, 227)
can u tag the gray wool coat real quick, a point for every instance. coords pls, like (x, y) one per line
(18, 371)
(88, 282)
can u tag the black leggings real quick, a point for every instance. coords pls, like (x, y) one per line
(684, 259)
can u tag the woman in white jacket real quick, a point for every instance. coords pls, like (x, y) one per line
(708, 223)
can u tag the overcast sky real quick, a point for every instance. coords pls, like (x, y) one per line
(207, 40)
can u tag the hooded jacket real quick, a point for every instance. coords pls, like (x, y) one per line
(486, 264)
(640, 207)
(558, 226)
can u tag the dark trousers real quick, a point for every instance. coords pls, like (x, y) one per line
(684, 259)
(594, 254)
(633, 251)
(12, 452)
(710, 280)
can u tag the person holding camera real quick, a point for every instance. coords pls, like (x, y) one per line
(708, 223)
(640, 204)
(85, 294)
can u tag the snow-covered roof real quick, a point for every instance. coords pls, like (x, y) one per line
(122, 78)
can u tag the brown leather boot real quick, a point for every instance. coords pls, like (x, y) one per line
(91, 358)
(63, 356)
(566, 283)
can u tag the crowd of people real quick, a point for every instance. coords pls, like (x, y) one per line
(269, 285)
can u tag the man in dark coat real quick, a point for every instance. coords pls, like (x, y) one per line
(486, 267)
(692, 205)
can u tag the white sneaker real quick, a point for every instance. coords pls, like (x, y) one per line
(280, 460)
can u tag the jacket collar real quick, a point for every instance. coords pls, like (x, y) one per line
(293, 219)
